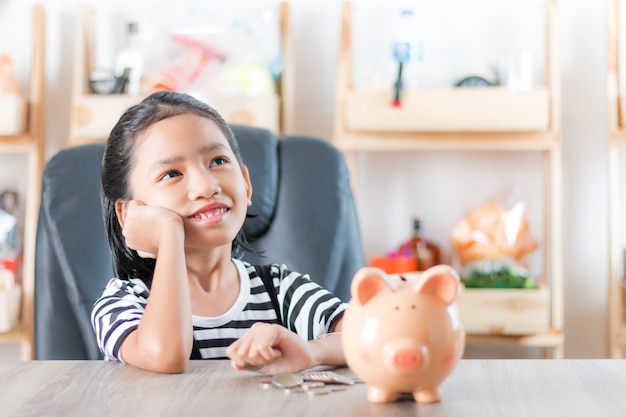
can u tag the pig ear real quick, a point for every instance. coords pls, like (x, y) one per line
(367, 283)
(440, 281)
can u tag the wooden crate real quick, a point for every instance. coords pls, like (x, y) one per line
(460, 109)
(504, 311)
(13, 110)
(254, 111)
(498, 311)
(94, 115)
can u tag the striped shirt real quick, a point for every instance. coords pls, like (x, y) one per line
(305, 307)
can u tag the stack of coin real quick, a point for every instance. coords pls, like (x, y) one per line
(313, 383)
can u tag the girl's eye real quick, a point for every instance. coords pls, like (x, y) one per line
(218, 161)
(170, 174)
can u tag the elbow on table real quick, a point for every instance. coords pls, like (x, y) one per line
(166, 361)
(167, 364)
(173, 368)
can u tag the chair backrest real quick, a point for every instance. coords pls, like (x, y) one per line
(304, 217)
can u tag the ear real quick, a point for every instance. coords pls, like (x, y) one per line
(440, 281)
(246, 177)
(367, 283)
(120, 211)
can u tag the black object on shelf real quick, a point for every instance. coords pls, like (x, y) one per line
(473, 81)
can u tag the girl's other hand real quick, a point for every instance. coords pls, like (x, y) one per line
(272, 346)
(142, 226)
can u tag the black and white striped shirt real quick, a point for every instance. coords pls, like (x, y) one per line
(306, 308)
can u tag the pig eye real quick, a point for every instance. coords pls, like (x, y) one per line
(396, 308)
(413, 307)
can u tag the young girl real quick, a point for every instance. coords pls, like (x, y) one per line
(175, 197)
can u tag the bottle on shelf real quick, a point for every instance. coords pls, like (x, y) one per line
(8, 82)
(129, 60)
(426, 253)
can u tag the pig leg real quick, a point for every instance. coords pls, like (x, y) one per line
(427, 395)
(379, 395)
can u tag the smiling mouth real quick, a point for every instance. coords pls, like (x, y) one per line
(209, 214)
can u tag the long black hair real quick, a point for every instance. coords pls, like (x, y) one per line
(116, 166)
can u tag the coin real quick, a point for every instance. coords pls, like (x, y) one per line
(287, 380)
(310, 385)
(249, 367)
(336, 388)
(266, 384)
(295, 389)
(318, 391)
(327, 376)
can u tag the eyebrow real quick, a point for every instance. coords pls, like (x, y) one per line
(204, 150)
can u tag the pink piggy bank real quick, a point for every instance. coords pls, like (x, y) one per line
(404, 337)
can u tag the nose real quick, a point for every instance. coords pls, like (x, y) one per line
(405, 356)
(408, 360)
(202, 184)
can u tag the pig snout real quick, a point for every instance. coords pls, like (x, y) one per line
(405, 356)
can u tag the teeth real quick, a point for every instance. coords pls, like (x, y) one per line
(207, 214)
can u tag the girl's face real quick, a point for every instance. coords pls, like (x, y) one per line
(185, 164)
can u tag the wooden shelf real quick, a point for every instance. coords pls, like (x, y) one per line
(94, 115)
(618, 138)
(553, 339)
(487, 119)
(16, 143)
(446, 141)
(16, 335)
(31, 143)
(616, 143)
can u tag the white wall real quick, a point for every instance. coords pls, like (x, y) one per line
(410, 182)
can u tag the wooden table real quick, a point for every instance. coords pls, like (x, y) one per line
(481, 388)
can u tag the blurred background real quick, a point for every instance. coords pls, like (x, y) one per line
(456, 39)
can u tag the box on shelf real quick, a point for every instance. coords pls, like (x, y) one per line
(460, 109)
(13, 110)
(394, 264)
(504, 311)
(261, 112)
(96, 114)
(10, 301)
(501, 311)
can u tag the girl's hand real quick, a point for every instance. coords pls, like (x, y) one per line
(272, 346)
(142, 226)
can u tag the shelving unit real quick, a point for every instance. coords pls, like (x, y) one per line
(31, 143)
(616, 144)
(93, 115)
(476, 119)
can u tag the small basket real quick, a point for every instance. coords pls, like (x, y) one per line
(12, 114)
(10, 301)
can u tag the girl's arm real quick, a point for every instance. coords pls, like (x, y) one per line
(329, 348)
(163, 340)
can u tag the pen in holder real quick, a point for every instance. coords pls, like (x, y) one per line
(401, 55)
(403, 43)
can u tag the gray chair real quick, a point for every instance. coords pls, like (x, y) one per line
(305, 218)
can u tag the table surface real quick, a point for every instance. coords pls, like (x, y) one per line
(481, 388)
